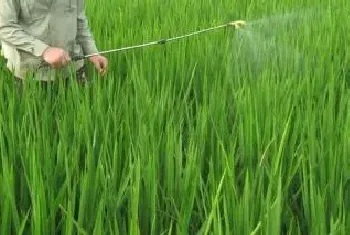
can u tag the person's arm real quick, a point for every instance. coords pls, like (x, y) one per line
(84, 35)
(12, 33)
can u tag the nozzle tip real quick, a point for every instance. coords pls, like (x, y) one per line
(238, 24)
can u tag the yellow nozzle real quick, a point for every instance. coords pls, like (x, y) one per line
(238, 24)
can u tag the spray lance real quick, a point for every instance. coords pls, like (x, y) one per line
(235, 24)
(238, 24)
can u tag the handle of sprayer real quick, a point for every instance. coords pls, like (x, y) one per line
(79, 57)
(74, 58)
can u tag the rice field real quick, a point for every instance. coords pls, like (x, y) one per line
(233, 132)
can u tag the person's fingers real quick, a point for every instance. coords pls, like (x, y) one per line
(60, 61)
(98, 65)
(103, 72)
(104, 63)
(102, 66)
(66, 59)
(106, 66)
(56, 64)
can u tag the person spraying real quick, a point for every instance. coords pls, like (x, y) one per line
(37, 32)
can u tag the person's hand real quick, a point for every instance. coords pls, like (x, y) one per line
(100, 62)
(56, 57)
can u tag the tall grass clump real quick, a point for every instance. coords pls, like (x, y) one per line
(235, 132)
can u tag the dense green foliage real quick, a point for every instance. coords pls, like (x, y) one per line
(232, 132)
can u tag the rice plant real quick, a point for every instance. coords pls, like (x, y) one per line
(235, 132)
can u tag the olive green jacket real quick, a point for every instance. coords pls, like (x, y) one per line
(28, 27)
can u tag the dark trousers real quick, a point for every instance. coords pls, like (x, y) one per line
(81, 78)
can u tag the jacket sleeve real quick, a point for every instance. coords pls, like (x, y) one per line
(84, 35)
(12, 33)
